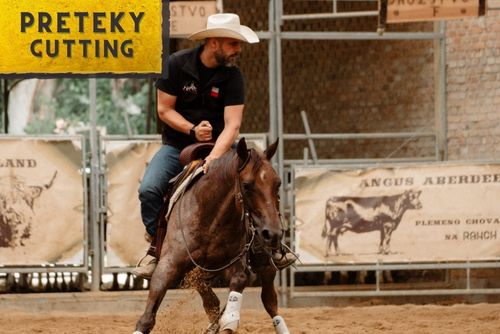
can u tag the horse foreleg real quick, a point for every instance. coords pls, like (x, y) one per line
(164, 275)
(270, 299)
(230, 319)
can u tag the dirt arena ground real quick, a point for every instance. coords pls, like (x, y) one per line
(419, 319)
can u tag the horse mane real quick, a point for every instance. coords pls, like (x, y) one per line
(226, 166)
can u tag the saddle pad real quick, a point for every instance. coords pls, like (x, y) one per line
(181, 188)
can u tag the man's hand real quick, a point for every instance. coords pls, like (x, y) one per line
(208, 159)
(203, 131)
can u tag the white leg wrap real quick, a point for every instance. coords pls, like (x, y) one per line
(136, 332)
(280, 325)
(231, 317)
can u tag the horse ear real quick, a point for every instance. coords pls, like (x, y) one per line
(269, 152)
(242, 150)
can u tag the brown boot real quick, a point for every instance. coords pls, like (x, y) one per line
(147, 264)
(145, 267)
(283, 258)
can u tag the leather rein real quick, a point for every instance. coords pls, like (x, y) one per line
(245, 219)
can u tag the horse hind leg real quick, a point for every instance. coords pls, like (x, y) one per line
(211, 303)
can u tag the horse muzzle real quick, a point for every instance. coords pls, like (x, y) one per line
(271, 237)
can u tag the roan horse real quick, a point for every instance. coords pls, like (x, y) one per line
(225, 223)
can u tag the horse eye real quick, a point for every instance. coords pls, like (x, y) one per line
(248, 186)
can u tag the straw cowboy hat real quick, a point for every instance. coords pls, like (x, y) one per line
(226, 25)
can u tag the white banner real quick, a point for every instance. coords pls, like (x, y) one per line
(41, 202)
(126, 161)
(421, 213)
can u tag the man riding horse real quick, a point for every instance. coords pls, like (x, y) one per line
(201, 100)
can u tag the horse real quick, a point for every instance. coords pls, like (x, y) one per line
(225, 223)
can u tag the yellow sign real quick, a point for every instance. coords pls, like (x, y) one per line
(60, 37)
(187, 17)
(429, 10)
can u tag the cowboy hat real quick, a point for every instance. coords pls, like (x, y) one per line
(226, 25)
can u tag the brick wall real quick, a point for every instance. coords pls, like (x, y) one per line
(344, 86)
(473, 87)
(375, 86)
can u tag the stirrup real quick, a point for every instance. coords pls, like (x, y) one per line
(284, 261)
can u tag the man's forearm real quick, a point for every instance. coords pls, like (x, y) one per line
(224, 142)
(170, 116)
(176, 121)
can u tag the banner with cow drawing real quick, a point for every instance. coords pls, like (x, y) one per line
(41, 201)
(428, 213)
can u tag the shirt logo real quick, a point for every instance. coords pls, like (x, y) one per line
(214, 92)
(190, 88)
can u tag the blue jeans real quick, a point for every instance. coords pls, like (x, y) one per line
(164, 166)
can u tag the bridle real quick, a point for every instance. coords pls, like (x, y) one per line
(246, 218)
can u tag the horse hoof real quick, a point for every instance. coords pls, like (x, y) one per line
(213, 328)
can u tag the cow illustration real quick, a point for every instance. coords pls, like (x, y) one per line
(16, 209)
(367, 214)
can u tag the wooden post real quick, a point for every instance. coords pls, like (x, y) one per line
(482, 8)
(382, 17)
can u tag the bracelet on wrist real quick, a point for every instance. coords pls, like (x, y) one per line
(192, 132)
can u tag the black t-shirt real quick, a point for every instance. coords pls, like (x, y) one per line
(205, 73)
(202, 93)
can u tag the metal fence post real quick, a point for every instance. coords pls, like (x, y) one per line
(94, 191)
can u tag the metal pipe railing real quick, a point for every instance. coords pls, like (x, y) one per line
(334, 15)
(373, 135)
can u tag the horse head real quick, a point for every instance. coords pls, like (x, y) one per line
(260, 185)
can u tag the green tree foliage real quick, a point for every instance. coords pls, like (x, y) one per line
(70, 104)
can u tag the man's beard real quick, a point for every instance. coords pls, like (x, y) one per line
(228, 61)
